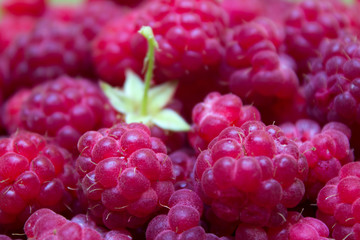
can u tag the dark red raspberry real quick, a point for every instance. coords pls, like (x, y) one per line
(253, 68)
(49, 51)
(298, 227)
(63, 109)
(189, 34)
(331, 87)
(247, 174)
(216, 113)
(11, 27)
(124, 175)
(34, 174)
(130, 3)
(339, 203)
(24, 7)
(45, 224)
(326, 150)
(310, 22)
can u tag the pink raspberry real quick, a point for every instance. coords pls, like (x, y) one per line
(63, 109)
(183, 161)
(125, 174)
(34, 174)
(45, 224)
(216, 113)
(254, 69)
(339, 203)
(298, 227)
(189, 34)
(326, 150)
(47, 52)
(242, 11)
(247, 174)
(130, 3)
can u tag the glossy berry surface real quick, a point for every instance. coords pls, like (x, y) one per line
(124, 176)
(244, 166)
(34, 174)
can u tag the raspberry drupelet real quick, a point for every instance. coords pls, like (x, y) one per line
(326, 150)
(63, 109)
(249, 174)
(34, 174)
(126, 175)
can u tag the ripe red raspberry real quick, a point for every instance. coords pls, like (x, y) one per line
(188, 33)
(326, 150)
(253, 68)
(34, 174)
(297, 227)
(216, 113)
(24, 7)
(310, 22)
(339, 203)
(247, 174)
(11, 27)
(63, 109)
(130, 3)
(45, 224)
(47, 52)
(125, 174)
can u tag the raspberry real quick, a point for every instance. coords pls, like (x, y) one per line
(34, 174)
(310, 22)
(188, 33)
(123, 178)
(298, 227)
(130, 3)
(24, 7)
(49, 51)
(338, 202)
(63, 109)
(45, 224)
(12, 27)
(331, 85)
(254, 70)
(216, 113)
(244, 166)
(325, 150)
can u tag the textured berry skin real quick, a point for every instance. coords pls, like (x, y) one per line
(244, 166)
(311, 21)
(298, 227)
(253, 68)
(241, 11)
(125, 174)
(34, 174)
(188, 33)
(326, 150)
(129, 3)
(63, 109)
(183, 161)
(11, 27)
(331, 87)
(338, 203)
(49, 51)
(216, 113)
(24, 7)
(46, 224)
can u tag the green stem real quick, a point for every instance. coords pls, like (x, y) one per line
(149, 63)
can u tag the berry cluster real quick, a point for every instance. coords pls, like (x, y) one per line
(180, 119)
